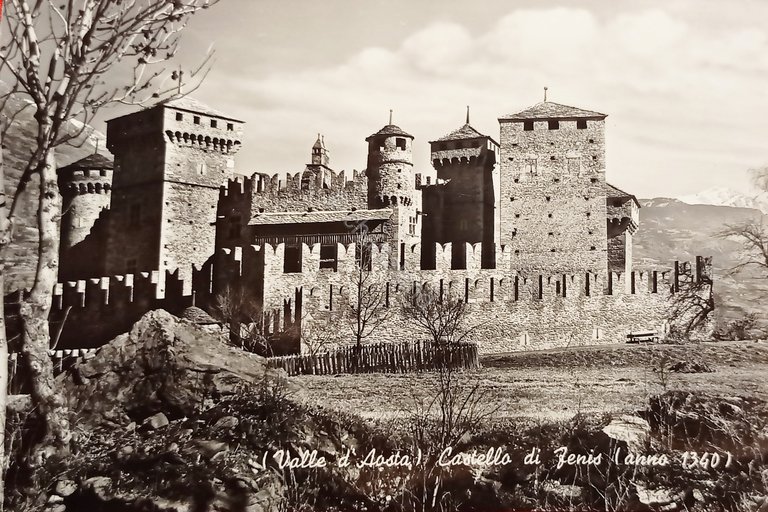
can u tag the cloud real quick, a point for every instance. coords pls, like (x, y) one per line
(683, 98)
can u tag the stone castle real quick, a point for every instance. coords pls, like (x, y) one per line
(525, 229)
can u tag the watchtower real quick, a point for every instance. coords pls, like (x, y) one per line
(553, 206)
(85, 188)
(463, 207)
(170, 160)
(391, 182)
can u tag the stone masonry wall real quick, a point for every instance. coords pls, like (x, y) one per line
(553, 197)
(516, 311)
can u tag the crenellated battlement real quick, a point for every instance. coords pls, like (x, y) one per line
(204, 142)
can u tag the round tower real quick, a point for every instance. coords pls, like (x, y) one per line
(390, 168)
(85, 189)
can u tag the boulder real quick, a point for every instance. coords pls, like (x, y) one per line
(630, 429)
(163, 365)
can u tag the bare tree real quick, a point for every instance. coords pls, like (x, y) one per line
(692, 307)
(445, 319)
(753, 236)
(3, 338)
(319, 334)
(237, 308)
(66, 58)
(366, 303)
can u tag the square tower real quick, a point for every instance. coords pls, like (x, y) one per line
(170, 161)
(553, 208)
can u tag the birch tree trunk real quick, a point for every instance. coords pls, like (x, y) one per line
(35, 311)
(4, 238)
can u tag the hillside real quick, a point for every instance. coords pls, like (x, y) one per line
(16, 150)
(673, 230)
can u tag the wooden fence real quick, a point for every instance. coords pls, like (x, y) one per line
(381, 358)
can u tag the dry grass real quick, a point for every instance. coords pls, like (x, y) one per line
(556, 384)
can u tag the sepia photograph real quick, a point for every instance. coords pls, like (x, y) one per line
(383, 256)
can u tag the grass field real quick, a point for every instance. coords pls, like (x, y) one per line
(556, 384)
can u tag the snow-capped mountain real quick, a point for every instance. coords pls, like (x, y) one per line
(722, 196)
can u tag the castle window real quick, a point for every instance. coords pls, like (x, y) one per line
(593, 248)
(214, 123)
(400, 143)
(594, 157)
(552, 250)
(134, 215)
(531, 165)
(548, 198)
(552, 157)
(197, 119)
(230, 127)
(179, 116)
(511, 198)
(551, 233)
(557, 180)
(549, 215)
(591, 232)
(528, 126)
(517, 251)
(593, 180)
(553, 124)
(581, 124)
(329, 256)
(589, 214)
(617, 202)
(591, 141)
(517, 215)
(292, 259)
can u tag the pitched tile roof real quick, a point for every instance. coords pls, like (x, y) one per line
(390, 129)
(315, 217)
(192, 105)
(552, 110)
(96, 161)
(465, 132)
(612, 191)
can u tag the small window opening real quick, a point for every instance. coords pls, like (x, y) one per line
(552, 158)
(528, 126)
(548, 198)
(214, 123)
(593, 180)
(329, 256)
(292, 259)
(179, 116)
(581, 124)
(593, 248)
(230, 127)
(591, 141)
(549, 215)
(400, 143)
(553, 124)
(197, 119)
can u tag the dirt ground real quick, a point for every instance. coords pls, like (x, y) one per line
(556, 384)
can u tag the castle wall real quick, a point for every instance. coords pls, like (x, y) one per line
(515, 311)
(280, 193)
(552, 196)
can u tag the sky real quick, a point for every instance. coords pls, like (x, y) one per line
(684, 82)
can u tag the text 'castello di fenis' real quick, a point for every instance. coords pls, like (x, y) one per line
(525, 229)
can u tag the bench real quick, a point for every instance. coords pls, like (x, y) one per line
(643, 336)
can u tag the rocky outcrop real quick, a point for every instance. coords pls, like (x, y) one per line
(163, 365)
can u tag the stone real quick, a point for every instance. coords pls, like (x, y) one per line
(655, 497)
(630, 429)
(170, 364)
(226, 423)
(99, 485)
(563, 491)
(209, 449)
(65, 488)
(157, 421)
